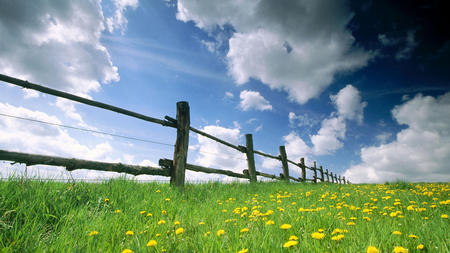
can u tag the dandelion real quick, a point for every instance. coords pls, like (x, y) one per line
(351, 223)
(207, 233)
(129, 232)
(127, 251)
(149, 214)
(420, 247)
(372, 249)
(270, 222)
(398, 249)
(107, 200)
(118, 211)
(176, 223)
(320, 230)
(244, 230)
(158, 191)
(93, 233)
(366, 218)
(163, 212)
(413, 236)
(318, 235)
(243, 251)
(142, 212)
(397, 232)
(337, 237)
(285, 226)
(151, 243)
(220, 232)
(167, 199)
(444, 216)
(161, 222)
(179, 231)
(289, 244)
(336, 231)
(201, 223)
(293, 238)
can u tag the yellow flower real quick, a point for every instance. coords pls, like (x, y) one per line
(285, 226)
(201, 223)
(337, 237)
(366, 218)
(127, 251)
(176, 223)
(93, 233)
(161, 222)
(158, 235)
(117, 211)
(337, 230)
(220, 232)
(163, 212)
(413, 236)
(129, 232)
(270, 222)
(106, 200)
(243, 251)
(289, 244)
(320, 230)
(397, 232)
(151, 243)
(149, 214)
(372, 249)
(158, 190)
(142, 212)
(244, 230)
(420, 247)
(167, 199)
(206, 234)
(179, 231)
(293, 238)
(444, 216)
(398, 249)
(351, 223)
(317, 235)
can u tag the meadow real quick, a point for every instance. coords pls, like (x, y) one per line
(127, 216)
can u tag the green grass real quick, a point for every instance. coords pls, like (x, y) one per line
(52, 216)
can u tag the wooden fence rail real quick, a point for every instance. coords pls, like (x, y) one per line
(175, 169)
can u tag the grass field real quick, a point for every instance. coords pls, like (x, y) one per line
(266, 217)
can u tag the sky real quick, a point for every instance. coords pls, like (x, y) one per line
(361, 87)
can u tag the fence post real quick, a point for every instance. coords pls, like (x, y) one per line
(328, 175)
(315, 173)
(332, 178)
(177, 175)
(250, 157)
(321, 174)
(343, 179)
(340, 179)
(302, 165)
(335, 179)
(284, 163)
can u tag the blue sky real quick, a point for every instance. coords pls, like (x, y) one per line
(365, 96)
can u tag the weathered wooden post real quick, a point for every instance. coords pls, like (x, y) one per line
(343, 179)
(302, 165)
(250, 157)
(284, 163)
(315, 173)
(339, 178)
(321, 174)
(328, 175)
(335, 179)
(177, 175)
(332, 178)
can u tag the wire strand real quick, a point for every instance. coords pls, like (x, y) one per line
(87, 130)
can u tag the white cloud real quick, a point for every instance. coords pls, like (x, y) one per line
(215, 155)
(421, 152)
(410, 44)
(383, 137)
(297, 46)
(119, 21)
(329, 137)
(301, 120)
(253, 100)
(348, 103)
(68, 107)
(229, 94)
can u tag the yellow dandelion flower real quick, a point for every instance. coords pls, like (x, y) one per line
(118, 211)
(293, 238)
(397, 232)
(129, 232)
(285, 226)
(151, 243)
(420, 247)
(158, 191)
(244, 230)
(372, 249)
(336, 231)
(158, 235)
(163, 212)
(243, 251)
(366, 218)
(320, 230)
(127, 251)
(167, 199)
(270, 222)
(149, 214)
(413, 236)
(220, 232)
(207, 233)
(351, 223)
(179, 231)
(93, 233)
(317, 235)
(289, 244)
(107, 200)
(161, 222)
(399, 249)
(337, 237)
(142, 212)
(444, 216)
(176, 223)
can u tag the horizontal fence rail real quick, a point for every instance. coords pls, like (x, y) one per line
(175, 169)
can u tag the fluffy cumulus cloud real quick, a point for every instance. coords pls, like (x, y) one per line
(348, 104)
(421, 152)
(215, 155)
(119, 21)
(296, 46)
(253, 100)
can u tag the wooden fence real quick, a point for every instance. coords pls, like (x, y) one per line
(175, 169)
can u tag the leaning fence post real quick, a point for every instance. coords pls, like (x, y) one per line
(177, 175)
(328, 175)
(302, 165)
(332, 178)
(284, 163)
(340, 179)
(315, 173)
(335, 179)
(250, 157)
(343, 179)
(321, 174)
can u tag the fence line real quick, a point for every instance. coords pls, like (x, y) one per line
(175, 169)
